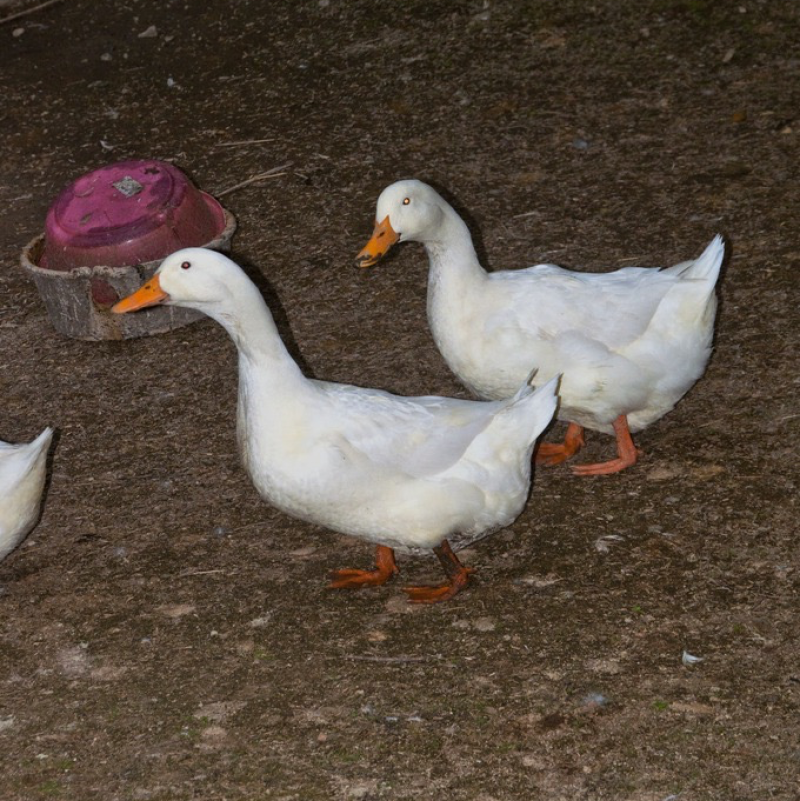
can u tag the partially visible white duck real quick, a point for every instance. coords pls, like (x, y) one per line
(629, 344)
(22, 474)
(406, 473)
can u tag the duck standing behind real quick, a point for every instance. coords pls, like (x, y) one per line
(23, 469)
(629, 344)
(405, 473)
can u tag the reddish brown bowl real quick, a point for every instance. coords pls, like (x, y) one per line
(128, 213)
(107, 233)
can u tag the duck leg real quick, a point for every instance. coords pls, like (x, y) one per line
(550, 454)
(457, 574)
(625, 448)
(351, 578)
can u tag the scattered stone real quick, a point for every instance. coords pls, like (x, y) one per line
(73, 661)
(692, 708)
(6, 723)
(594, 701)
(304, 552)
(609, 667)
(219, 711)
(662, 473)
(540, 582)
(533, 761)
(149, 33)
(17, 32)
(399, 605)
(175, 611)
(484, 624)
(707, 471)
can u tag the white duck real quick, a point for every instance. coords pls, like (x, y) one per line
(629, 344)
(22, 474)
(406, 473)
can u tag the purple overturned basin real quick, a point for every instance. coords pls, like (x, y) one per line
(106, 234)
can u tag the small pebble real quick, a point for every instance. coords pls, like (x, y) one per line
(149, 33)
(17, 32)
(595, 700)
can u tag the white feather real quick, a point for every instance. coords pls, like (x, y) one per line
(22, 475)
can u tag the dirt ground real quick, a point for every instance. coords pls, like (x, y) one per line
(167, 635)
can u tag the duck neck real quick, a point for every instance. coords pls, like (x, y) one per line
(250, 324)
(451, 254)
(454, 274)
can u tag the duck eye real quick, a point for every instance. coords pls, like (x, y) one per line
(186, 265)
(406, 201)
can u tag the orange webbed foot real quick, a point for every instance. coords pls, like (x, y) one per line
(351, 578)
(551, 454)
(458, 579)
(626, 450)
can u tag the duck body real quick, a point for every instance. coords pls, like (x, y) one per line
(412, 474)
(629, 343)
(402, 472)
(23, 469)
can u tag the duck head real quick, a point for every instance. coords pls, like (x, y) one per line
(408, 211)
(193, 277)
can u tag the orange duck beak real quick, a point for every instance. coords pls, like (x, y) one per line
(383, 237)
(150, 294)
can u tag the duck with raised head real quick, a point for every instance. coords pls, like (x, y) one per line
(412, 474)
(629, 344)
(23, 469)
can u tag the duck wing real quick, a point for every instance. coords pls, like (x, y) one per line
(547, 301)
(418, 436)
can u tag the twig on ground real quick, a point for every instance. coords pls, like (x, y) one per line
(187, 573)
(275, 172)
(244, 142)
(398, 660)
(26, 11)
